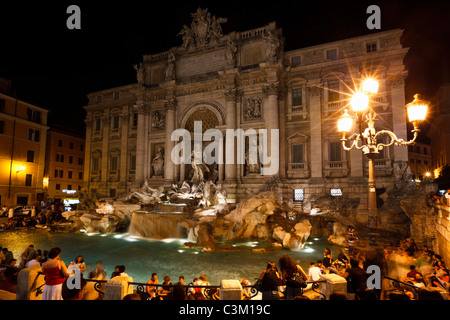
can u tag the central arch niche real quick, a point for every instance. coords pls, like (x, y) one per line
(207, 117)
(211, 116)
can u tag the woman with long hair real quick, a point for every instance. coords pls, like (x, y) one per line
(288, 268)
(270, 280)
(79, 262)
(55, 271)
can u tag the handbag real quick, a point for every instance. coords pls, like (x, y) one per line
(258, 285)
(296, 281)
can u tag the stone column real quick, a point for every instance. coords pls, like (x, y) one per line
(87, 151)
(230, 290)
(124, 119)
(356, 163)
(231, 97)
(141, 110)
(333, 283)
(271, 115)
(316, 132)
(118, 287)
(28, 281)
(105, 152)
(399, 119)
(169, 166)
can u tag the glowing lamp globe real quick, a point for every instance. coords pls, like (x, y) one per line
(345, 123)
(360, 102)
(370, 85)
(417, 110)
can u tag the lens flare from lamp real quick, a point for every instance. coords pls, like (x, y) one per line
(417, 110)
(370, 85)
(360, 102)
(345, 122)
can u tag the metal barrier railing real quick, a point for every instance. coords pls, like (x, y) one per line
(207, 292)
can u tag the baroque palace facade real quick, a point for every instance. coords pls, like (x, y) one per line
(245, 80)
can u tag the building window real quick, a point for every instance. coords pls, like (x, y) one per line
(297, 97)
(135, 119)
(2, 126)
(2, 105)
(59, 157)
(69, 187)
(336, 192)
(69, 175)
(56, 173)
(332, 54)
(58, 186)
(28, 180)
(80, 175)
(34, 115)
(30, 155)
(371, 47)
(335, 151)
(95, 163)
(297, 153)
(132, 162)
(81, 147)
(98, 125)
(61, 173)
(60, 143)
(71, 145)
(298, 195)
(112, 193)
(115, 122)
(70, 159)
(296, 61)
(113, 163)
(333, 91)
(33, 135)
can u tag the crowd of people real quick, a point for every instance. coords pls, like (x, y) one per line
(435, 198)
(417, 269)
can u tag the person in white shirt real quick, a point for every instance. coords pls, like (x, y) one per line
(33, 262)
(314, 273)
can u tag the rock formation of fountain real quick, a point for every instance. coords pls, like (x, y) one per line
(198, 211)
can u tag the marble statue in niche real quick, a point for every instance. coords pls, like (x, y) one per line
(158, 163)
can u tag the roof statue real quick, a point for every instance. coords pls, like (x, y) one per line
(204, 30)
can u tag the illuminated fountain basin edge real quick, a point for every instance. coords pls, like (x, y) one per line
(142, 256)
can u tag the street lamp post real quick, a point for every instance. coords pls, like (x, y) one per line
(366, 140)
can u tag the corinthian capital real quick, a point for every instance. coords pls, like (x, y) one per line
(171, 104)
(272, 89)
(140, 108)
(232, 95)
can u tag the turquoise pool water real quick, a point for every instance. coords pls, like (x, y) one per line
(142, 257)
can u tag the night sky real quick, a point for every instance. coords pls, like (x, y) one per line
(55, 68)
